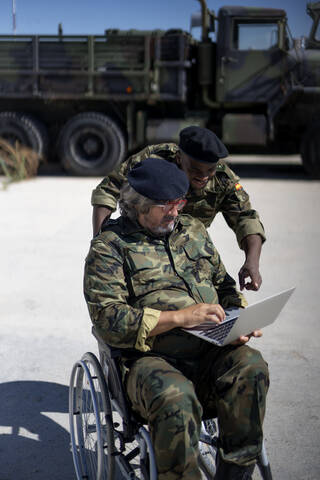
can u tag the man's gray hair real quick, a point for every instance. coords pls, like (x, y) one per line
(131, 203)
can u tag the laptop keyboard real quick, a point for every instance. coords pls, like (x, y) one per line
(218, 332)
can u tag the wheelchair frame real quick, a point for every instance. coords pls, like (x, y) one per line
(110, 442)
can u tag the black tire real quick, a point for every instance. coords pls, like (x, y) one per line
(91, 144)
(310, 150)
(91, 426)
(17, 127)
(43, 131)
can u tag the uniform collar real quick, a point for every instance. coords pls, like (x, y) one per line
(129, 226)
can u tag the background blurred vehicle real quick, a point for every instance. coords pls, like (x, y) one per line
(87, 100)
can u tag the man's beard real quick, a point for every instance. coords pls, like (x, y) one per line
(166, 228)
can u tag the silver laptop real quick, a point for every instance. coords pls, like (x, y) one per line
(242, 321)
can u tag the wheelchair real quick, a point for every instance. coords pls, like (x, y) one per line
(108, 440)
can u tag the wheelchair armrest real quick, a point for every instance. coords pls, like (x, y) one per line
(112, 352)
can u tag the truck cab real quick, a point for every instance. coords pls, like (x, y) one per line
(249, 60)
(265, 88)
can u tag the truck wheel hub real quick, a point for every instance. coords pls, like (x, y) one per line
(91, 146)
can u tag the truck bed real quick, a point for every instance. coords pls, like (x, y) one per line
(114, 66)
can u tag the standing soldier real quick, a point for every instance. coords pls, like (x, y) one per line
(214, 188)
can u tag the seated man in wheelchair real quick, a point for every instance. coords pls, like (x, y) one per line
(149, 273)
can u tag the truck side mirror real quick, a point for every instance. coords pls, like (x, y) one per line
(282, 35)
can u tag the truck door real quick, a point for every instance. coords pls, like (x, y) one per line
(250, 64)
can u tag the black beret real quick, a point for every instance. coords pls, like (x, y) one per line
(158, 179)
(202, 145)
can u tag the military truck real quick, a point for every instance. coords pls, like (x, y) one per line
(88, 100)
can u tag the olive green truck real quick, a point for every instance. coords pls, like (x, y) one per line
(88, 100)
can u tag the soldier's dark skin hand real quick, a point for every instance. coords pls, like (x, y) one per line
(99, 214)
(250, 269)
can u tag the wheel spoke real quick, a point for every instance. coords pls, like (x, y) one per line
(90, 431)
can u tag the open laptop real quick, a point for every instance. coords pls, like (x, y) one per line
(242, 321)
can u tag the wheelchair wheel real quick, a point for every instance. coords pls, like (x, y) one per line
(208, 452)
(208, 448)
(133, 450)
(134, 456)
(264, 465)
(90, 416)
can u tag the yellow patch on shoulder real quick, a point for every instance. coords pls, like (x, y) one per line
(238, 186)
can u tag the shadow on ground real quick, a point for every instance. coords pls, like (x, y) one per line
(33, 446)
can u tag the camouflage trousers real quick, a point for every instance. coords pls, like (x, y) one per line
(230, 383)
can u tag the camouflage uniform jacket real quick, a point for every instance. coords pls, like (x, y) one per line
(131, 276)
(223, 193)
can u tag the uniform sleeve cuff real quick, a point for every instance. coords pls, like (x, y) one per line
(256, 229)
(149, 320)
(104, 200)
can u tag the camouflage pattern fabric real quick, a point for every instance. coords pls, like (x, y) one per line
(163, 396)
(223, 193)
(128, 273)
(130, 276)
(231, 382)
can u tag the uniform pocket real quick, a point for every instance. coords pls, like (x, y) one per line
(147, 270)
(198, 261)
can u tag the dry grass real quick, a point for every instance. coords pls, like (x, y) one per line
(17, 162)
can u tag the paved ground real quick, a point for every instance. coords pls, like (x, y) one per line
(45, 230)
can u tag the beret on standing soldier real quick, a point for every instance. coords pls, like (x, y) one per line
(202, 145)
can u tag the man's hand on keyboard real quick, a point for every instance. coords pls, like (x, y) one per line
(199, 313)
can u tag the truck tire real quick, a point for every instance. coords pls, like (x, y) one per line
(17, 127)
(91, 144)
(310, 150)
(42, 131)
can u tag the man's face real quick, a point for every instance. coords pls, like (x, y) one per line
(160, 219)
(199, 173)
